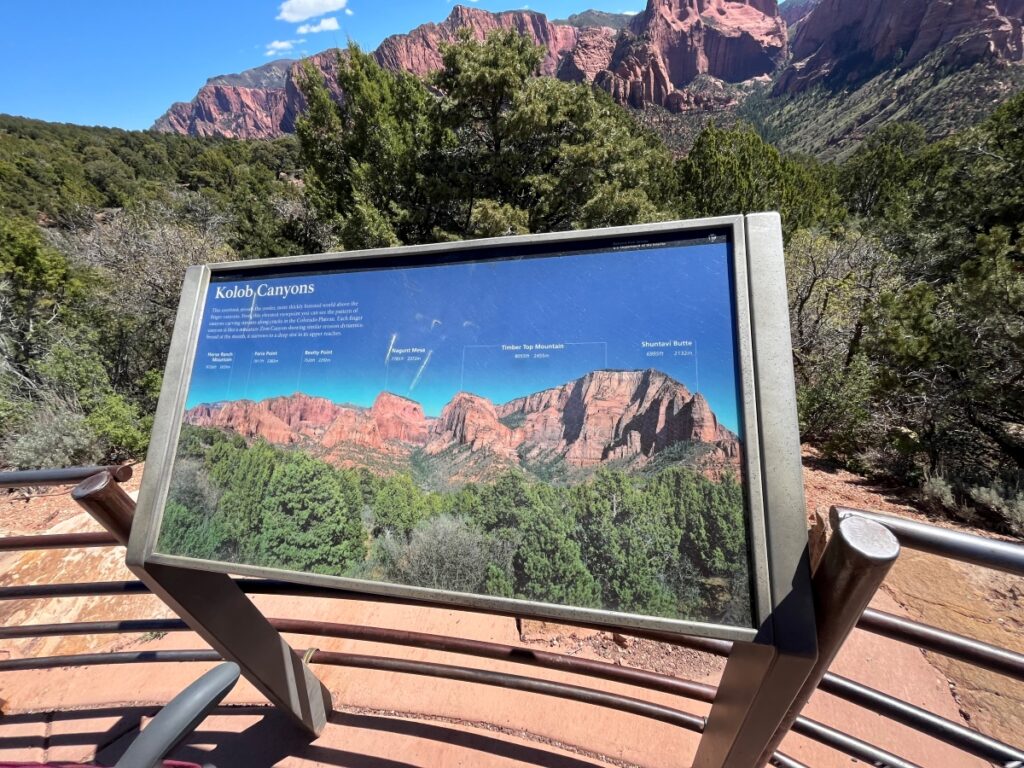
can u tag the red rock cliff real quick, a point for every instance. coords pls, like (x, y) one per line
(472, 421)
(613, 415)
(604, 416)
(653, 61)
(300, 418)
(841, 43)
(419, 51)
(673, 41)
(279, 420)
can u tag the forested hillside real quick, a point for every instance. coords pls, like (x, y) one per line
(907, 295)
(670, 544)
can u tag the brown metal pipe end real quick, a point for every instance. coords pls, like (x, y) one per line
(107, 502)
(868, 540)
(91, 486)
(123, 473)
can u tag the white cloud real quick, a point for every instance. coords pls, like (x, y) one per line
(330, 24)
(349, 12)
(300, 10)
(275, 47)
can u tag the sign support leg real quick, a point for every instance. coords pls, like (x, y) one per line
(218, 611)
(758, 685)
(760, 698)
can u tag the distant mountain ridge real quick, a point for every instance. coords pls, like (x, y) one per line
(944, 64)
(273, 74)
(597, 19)
(651, 59)
(840, 43)
(823, 73)
(605, 416)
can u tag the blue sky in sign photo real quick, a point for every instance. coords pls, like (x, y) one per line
(499, 329)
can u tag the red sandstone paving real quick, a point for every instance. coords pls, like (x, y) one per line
(412, 721)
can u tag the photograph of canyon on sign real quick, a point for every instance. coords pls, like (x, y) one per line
(387, 344)
(560, 429)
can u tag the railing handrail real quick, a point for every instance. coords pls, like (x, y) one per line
(965, 547)
(958, 545)
(42, 478)
(888, 706)
(57, 541)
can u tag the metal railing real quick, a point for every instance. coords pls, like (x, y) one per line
(964, 547)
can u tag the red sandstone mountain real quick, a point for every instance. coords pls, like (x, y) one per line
(842, 43)
(239, 112)
(472, 421)
(652, 61)
(392, 422)
(674, 41)
(614, 415)
(419, 52)
(279, 420)
(623, 416)
(603, 416)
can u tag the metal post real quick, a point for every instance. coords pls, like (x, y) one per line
(216, 609)
(856, 560)
(762, 677)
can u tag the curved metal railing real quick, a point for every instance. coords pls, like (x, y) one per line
(969, 548)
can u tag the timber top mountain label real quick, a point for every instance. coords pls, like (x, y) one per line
(560, 428)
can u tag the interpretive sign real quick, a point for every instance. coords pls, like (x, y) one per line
(561, 426)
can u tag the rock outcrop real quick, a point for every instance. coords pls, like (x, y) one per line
(604, 416)
(398, 418)
(229, 111)
(278, 420)
(419, 52)
(591, 55)
(391, 425)
(222, 108)
(841, 44)
(649, 61)
(613, 415)
(472, 421)
(674, 41)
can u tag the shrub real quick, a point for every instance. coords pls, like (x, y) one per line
(937, 494)
(836, 408)
(122, 430)
(1007, 505)
(443, 552)
(54, 435)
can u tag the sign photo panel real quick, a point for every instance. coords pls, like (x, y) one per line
(557, 426)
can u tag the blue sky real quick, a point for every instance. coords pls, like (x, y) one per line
(123, 62)
(429, 332)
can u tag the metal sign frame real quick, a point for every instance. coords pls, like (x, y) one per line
(781, 646)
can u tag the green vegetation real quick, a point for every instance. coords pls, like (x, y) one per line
(908, 320)
(96, 229)
(671, 544)
(831, 123)
(485, 149)
(905, 258)
(593, 18)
